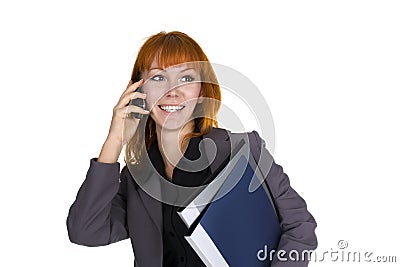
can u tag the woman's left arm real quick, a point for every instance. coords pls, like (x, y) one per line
(297, 223)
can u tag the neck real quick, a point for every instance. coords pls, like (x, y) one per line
(169, 143)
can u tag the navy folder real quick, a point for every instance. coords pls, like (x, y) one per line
(237, 227)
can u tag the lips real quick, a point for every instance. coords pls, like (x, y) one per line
(171, 108)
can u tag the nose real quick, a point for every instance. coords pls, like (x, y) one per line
(173, 92)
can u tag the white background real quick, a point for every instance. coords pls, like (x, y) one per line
(329, 71)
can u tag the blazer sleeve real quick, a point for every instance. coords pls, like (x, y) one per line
(97, 217)
(297, 223)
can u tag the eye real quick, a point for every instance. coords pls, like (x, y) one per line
(187, 78)
(158, 78)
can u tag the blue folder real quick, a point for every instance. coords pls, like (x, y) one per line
(237, 228)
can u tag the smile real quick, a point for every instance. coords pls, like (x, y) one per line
(171, 108)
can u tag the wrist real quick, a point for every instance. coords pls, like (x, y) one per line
(110, 151)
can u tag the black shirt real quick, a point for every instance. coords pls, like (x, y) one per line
(177, 251)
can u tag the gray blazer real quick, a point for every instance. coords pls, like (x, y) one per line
(110, 206)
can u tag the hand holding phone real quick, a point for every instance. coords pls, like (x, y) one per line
(137, 102)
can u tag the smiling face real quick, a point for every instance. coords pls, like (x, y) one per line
(172, 94)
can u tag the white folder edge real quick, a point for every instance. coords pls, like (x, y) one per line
(189, 215)
(205, 248)
(193, 210)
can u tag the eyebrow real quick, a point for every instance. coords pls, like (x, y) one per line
(187, 69)
(163, 69)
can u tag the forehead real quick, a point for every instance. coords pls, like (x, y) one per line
(176, 67)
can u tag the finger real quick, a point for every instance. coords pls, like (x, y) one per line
(128, 97)
(132, 86)
(135, 109)
(130, 82)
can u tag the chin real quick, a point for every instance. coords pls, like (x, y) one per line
(171, 125)
(172, 122)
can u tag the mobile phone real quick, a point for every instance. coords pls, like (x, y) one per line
(137, 102)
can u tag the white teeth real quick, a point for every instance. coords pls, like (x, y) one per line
(171, 108)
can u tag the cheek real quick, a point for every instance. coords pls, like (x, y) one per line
(193, 91)
(152, 98)
(152, 95)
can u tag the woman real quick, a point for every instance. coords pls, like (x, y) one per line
(111, 206)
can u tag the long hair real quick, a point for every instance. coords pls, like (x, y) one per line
(170, 49)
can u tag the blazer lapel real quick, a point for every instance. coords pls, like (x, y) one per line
(220, 138)
(217, 149)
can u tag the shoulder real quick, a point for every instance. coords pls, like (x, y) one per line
(258, 148)
(227, 132)
(256, 141)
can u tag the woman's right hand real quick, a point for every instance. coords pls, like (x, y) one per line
(122, 128)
